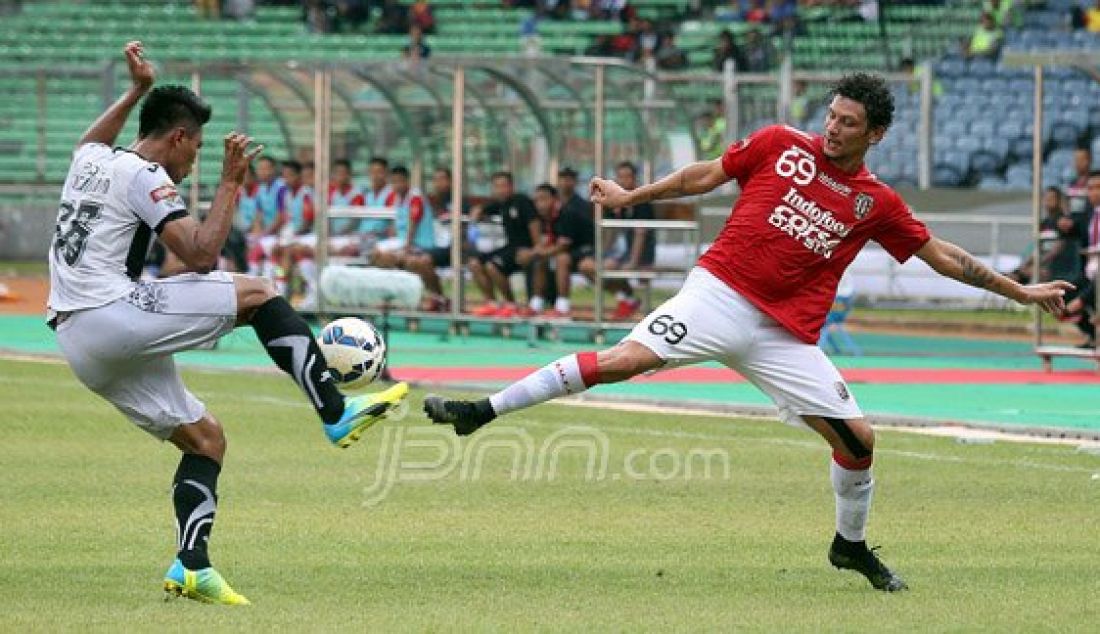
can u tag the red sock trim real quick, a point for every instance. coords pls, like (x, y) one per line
(586, 362)
(853, 464)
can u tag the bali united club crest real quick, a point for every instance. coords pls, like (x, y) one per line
(863, 205)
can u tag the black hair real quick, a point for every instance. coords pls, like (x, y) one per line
(268, 158)
(1093, 174)
(169, 107)
(1083, 147)
(871, 91)
(400, 170)
(548, 188)
(445, 170)
(627, 165)
(342, 162)
(1056, 190)
(378, 160)
(502, 174)
(567, 172)
(293, 166)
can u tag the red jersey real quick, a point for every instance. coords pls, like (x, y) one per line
(797, 225)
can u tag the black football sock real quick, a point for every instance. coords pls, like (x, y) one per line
(290, 344)
(195, 496)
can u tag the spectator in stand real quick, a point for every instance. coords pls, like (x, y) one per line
(416, 49)
(780, 11)
(343, 239)
(612, 10)
(646, 41)
(267, 222)
(309, 174)
(727, 49)
(1088, 19)
(208, 9)
(1082, 167)
(343, 192)
(758, 52)
(420, 14)
(909, 67)
(712, 130)
(570, 200)
(568, 241)
(1088, 235)
(296, 202)
(628, 249)
(668, 55)
(425, 263)
(315, 15)
(1059, 252)
(414, 224)
(1004, 12)
(240, 9)
(602, 46)
(350, 15)
(394, 18)
(522, 231)
(375, 194)
(986, 40)
(754, 12)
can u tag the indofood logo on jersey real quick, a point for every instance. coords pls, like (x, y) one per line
(799, 217)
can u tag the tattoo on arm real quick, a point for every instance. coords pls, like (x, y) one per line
(973, 272)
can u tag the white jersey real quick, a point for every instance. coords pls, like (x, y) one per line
(112, 202)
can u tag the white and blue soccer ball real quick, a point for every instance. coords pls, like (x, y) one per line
(354, 351)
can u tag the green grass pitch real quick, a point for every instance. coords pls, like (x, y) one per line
(999, 537)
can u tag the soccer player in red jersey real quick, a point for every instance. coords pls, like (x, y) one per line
(759, 296)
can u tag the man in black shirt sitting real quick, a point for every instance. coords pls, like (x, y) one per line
(628, 249)
(522, 231)
(568, 241)
(567, 192)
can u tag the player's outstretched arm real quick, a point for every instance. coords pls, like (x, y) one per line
(198, 244)
(695, 178)
(105, 129)
(953, 261)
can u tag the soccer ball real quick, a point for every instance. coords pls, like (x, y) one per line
(354, 351)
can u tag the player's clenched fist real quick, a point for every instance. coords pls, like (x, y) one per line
(237, 157)
(607, 193)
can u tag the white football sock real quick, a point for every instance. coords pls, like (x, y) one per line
(562, 377)
(537, 303)
(561, 305)
(853, 489)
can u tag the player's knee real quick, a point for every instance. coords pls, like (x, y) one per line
(864, 433)
(252, 292)
(854, 438)
(205, 437)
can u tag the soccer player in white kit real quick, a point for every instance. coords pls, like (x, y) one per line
(118, 334)
(759, 296)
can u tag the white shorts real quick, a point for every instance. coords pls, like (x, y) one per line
(123, 350)
(709, 321)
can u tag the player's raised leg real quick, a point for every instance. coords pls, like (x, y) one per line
(853, 444)
(291, 345)
(570, 374)
(195, 498)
